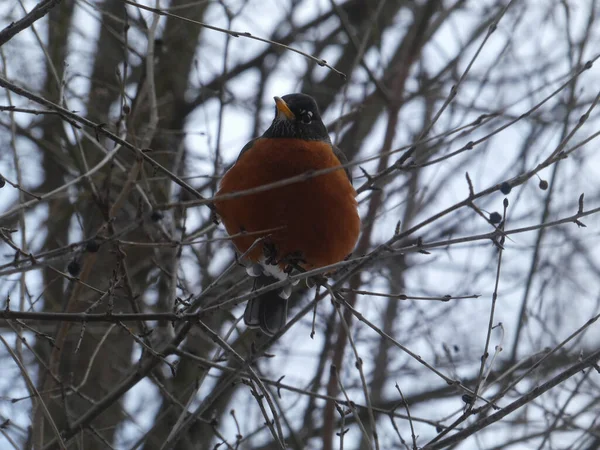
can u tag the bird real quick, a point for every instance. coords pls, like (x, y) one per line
(311, 223)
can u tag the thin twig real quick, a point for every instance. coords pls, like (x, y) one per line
(237, 34)
(31, 386)
(523, 400)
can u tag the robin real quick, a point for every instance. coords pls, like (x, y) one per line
(310, 223)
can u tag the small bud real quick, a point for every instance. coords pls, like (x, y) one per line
(74, 267)
(92, 246)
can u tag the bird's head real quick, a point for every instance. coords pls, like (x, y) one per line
(297, 116)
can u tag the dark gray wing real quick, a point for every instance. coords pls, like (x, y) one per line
(247, 147)
(343, 160)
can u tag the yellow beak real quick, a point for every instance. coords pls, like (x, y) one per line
(284, 111)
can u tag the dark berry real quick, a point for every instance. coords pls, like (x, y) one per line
(468, 399)
(126, 109)
(543, 185)
(92, 246)
(156, 216)
(505, 188)
(495, 217)
(74, 267)
(2, 182)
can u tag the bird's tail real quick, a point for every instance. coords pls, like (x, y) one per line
(268, 311)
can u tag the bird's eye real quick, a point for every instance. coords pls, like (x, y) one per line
(306, 117)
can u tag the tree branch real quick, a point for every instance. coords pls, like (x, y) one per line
(40, 10)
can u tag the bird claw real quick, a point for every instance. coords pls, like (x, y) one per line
(293, 261)
(311, 282)
(270, 252)
(295, 258)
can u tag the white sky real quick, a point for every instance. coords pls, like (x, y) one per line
(442, 272)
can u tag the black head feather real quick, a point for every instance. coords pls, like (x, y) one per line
(304, 122)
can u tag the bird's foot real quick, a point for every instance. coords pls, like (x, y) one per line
(270, 252)
(315, 280)
(293, 261)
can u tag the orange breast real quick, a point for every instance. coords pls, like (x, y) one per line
(318, 217)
